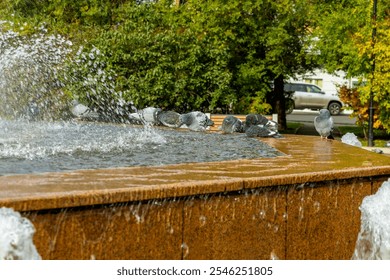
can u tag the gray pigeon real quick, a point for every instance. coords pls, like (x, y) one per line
(169, 118)
(257, 119)
(83, 112)
(231, 124)
(148, 115)
(254, 119)
(324, 124)
(196, 121)
(260, 131)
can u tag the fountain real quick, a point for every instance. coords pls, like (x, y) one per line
(16, 235)
(373, 241)
(86, 200)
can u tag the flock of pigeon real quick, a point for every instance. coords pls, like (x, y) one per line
(255, 125)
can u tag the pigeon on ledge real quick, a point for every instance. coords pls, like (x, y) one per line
(260, 131)
(324, 124)
(257, 119)
(231, 124)
(196, 121)
(169, 118)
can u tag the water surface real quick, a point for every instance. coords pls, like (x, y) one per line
(35, 147)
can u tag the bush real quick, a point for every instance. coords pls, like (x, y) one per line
(352, 98)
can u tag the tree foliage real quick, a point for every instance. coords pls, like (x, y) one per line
(216, 56)
(345, 42)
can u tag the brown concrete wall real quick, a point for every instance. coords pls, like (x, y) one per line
(318, 220)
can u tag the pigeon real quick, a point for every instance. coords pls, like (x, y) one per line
(260, 131)
(196, 121)
(253, 119)
(80, 111)
(257, 119)
(231, 124)
(148, 115)
(169, 118)
(324, 124)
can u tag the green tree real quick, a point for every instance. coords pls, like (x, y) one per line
(345, 43)
(266, 41)
(160, 61)
(202, 55)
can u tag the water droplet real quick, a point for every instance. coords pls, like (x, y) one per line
(202, 220)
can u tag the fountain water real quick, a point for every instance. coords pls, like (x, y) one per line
(31, 147)
(30, 67)
(373, 241)
(16, 237)
(37, 135)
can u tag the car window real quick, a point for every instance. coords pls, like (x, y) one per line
(298, 87)
(301, 87)
(293, 87)
(287, 87)
(312, 88)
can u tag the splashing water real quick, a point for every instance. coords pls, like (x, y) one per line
(36, 71)
(29, 74)
(373, 241)
(16, 237)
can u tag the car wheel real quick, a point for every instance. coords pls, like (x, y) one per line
(334, 108)
(289, 106)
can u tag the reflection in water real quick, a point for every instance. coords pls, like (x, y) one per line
(324, 149)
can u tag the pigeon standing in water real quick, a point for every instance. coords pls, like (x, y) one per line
(148, 115)
(83, 112)
(324, 124)
(196, 121)
(231, 124)
(257, 125)
(257, 119)
(169, 118)
(260, 131)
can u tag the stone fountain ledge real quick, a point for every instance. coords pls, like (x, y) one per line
(306, 159)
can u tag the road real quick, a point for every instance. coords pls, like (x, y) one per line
(307, 116)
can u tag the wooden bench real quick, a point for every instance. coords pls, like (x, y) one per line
(218, 119)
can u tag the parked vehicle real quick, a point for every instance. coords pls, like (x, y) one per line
(309, 96)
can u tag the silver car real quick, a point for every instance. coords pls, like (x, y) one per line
(309, 96)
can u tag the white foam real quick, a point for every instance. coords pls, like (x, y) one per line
(373, 241)
(351, 139)
(16, 237)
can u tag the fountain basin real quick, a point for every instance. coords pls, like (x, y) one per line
(304, 205)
